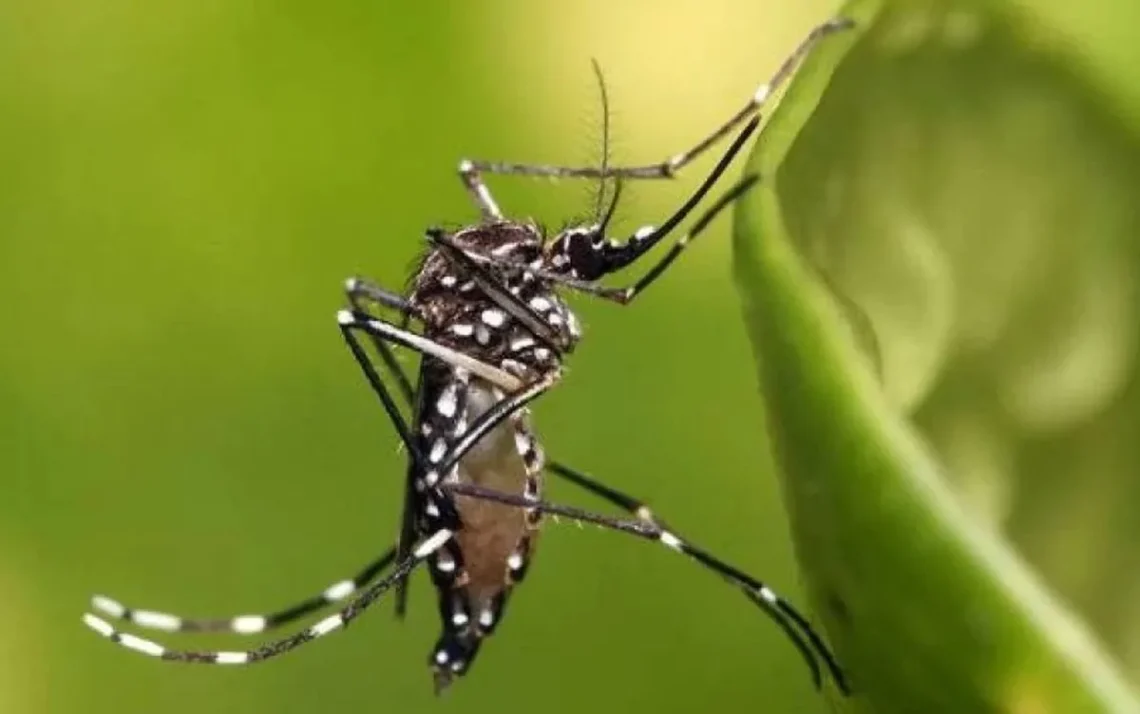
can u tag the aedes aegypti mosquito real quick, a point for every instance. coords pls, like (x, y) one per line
(494, 333)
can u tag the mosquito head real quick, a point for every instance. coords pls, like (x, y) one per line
(580, 252)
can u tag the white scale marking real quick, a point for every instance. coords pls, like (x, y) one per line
(768, 596)
(104, 604)
(514, 561)
(482, 335)
(448, 281)
(554, 319)
(441, 657)
(521, 343)
(157, 620)
(463, 329)
(138, 644)
(326, 625)
(231, 658)
(99, 625)
(339, 591)
(459, 619)
(445, 563)
(446, 404)
(249, 624)
(433, 543)
(438, 449)
(643, 232)
(486, 618)
(762, 93)
(573, 324)
(670, 540)
(523, 442)
(540, 303)
(493, 318)
(431, 509)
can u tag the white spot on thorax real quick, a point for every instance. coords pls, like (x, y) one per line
(493, 318)
(521, 342)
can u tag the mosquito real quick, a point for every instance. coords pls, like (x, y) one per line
(494, 331)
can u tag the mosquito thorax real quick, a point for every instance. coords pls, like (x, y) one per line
(457, 312)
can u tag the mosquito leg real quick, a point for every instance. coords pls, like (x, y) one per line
(669, 167)
(794, 624)
(626, 295)
(558, 468)
(351, 321)
(245, 624)
(287, 644)
(470, 173)
(629, 504)
(359, 291)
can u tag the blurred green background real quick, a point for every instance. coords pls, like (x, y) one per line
(185, 186)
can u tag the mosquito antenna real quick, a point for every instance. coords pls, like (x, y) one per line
(605, 97)
(605, 222)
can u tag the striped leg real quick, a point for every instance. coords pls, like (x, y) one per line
(794, 624)
(287, 644)
(245, 624)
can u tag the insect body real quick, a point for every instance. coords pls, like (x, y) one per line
(474, 572)
(494, 331)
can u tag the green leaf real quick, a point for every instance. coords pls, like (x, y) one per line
(939, 189)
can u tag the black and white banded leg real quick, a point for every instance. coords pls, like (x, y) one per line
(790, 621)
(471, 171)
(269, 650)
(245, 624)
